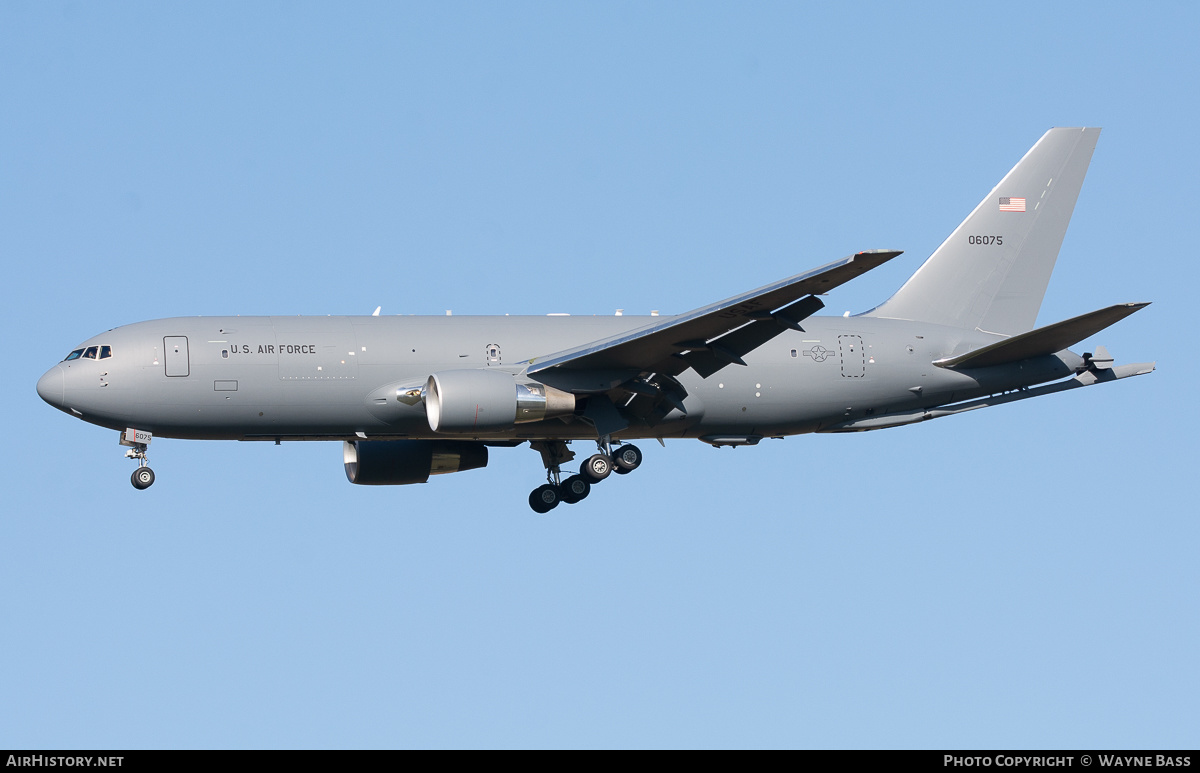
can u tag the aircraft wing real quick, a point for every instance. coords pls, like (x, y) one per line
(710, 337)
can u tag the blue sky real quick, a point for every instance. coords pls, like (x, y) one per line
(1019, 577)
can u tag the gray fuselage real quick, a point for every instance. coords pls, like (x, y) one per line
(330, 378)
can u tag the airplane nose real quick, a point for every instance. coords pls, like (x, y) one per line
(50, 387)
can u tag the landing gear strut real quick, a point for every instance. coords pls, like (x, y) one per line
(596, 468)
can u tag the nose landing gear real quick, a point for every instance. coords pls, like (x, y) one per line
(138, 441)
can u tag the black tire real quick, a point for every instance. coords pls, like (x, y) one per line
(142, 478)
(544, 498)
(596, 468)
(574, 489)
(627, 459)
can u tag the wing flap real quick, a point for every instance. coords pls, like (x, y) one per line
(1043, 340)
(710, 357)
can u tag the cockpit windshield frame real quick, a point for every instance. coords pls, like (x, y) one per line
(98, 352)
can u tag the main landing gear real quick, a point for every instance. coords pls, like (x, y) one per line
(575, 488)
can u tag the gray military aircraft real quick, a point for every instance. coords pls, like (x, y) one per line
(411, 397)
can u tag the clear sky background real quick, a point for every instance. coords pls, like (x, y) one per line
(1024, 576)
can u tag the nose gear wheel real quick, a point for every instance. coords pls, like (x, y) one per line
(142, 478)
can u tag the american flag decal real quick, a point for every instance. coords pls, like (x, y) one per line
(1012, 203)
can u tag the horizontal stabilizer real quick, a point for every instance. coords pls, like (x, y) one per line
(1043, 340)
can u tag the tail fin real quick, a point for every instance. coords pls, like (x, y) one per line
(991, 273)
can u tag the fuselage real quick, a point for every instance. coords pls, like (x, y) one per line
(338, 377)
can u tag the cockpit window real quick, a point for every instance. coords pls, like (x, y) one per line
(90, 353)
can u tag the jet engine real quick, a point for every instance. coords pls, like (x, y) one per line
(477, 401)
(397, 462)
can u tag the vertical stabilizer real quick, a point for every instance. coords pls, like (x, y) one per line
(991, 273)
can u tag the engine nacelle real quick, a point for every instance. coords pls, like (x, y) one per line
(397, 462)
(478, 401)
